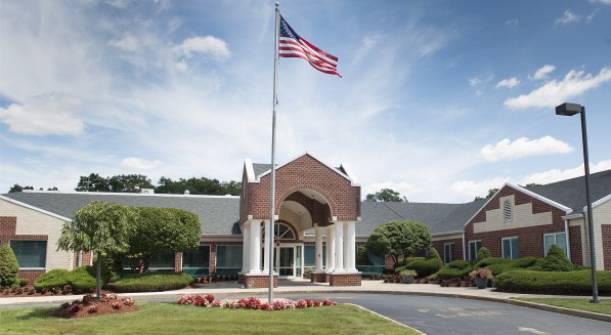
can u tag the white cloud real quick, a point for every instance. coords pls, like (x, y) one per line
(136, 163)
(602, 2)
(512, 22)
(473, 82)
(524, 147)
(554, 92)
(404, 188)
(472, 188)
(508, 82)
(554, 175)
(543, 71)
(205, 45)
(132, 43)
(44, 115)
(568, 17)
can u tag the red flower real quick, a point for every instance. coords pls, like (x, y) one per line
(210, 298)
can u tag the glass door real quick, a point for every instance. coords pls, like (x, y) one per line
(286, 262)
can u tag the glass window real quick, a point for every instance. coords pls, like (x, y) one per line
(310, 255)
(511, 248)
(558, 239)
(162, 261)
(474, 247)
(448, 252)
(196, 258)
(30, 254)
(228, 256)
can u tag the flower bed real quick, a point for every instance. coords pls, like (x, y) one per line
(89, 306)
(251, 303)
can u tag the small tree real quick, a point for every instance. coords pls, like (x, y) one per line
(482, 253)
(160, 230)
(8, 266)
(101, 227)
(400, 239)
(556, 260)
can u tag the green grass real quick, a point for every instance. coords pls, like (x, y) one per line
(167, 318)
(583, 304)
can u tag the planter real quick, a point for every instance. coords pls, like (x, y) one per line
(481, 283)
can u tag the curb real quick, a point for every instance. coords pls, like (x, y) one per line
(385, 318)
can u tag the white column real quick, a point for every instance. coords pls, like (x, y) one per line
(255, 248)
(246, 247)
(330, 248)
(339, 247)
(349, 248)
(318, 249)
(266, 248)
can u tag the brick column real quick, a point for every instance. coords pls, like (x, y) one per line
(178, 262)
(212, 259)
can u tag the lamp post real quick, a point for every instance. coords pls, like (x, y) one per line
(570, 109)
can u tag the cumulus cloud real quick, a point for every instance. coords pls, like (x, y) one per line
(205, 45)
(568, 17)
(522, 147)
(543, 71)
(602, 2)
(136, 163)
(508, 82)
(132, 43)
(554, 92)
(554, 175)
(471, 188)
(44, 115)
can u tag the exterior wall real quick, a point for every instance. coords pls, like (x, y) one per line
(576, 243)
(438, 244)
(602, 246)
(532, 218)
(33, 225)
(606, 236)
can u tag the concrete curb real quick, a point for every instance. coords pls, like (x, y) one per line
(386, 318)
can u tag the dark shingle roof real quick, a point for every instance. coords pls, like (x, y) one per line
(571, 192)
(260, 168)
(219, 215)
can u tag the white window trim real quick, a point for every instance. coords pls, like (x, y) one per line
(32, 269)
(503, 241)
(216, 257)
(555, 241)
(444, 250)
(469, 247)
(36, 268)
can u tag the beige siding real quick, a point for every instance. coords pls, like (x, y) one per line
(32, 222)
(523, 217)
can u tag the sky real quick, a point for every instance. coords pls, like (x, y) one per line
(439, 100)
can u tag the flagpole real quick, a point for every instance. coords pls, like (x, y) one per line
(270, 233)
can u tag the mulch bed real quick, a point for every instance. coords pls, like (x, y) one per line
(30, 291)
(89, 306)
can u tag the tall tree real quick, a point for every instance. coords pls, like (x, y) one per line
(386, 195)
(130, 183)
(491, 192)
(93, 183)
(201, 185)
(400, 239)
(102, 228)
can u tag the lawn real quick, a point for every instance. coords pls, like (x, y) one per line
(167, 318)
(583, 304)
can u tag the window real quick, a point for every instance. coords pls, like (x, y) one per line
(507, 211)
(511, 247)
(229, 257)
(162, 261)
(310, 255)
(30, 254)
(282, 231)
(196, 258)
(558, 239)
(473, 249)
(448, 252)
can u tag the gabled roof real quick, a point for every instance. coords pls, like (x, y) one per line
(572, 193)
(219, 215)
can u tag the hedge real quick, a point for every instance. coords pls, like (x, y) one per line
(8, 266)
(450, 273)
(545, 282)
(425, 267)
(151, 282)
(81, 279)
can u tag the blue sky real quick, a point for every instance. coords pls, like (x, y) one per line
(440, 100)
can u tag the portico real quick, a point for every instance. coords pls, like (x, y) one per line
(313, 197)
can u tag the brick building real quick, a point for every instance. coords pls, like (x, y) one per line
(319, 221)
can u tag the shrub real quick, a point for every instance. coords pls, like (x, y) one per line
(150, 282)
(544, 282)
(408, 260)
(425, 267)
(458, 264)
(450, 273)
(433, 253)
(408, 273)
(556, 260)
(80, 279)
(8, 266)
(525, 262)
(495, 264)
(482, 253)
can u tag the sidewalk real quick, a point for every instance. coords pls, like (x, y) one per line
(368, 286)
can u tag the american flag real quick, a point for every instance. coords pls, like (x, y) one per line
(290, 44)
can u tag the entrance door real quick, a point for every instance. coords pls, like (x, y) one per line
(288, 262)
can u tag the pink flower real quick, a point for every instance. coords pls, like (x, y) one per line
(210, 298)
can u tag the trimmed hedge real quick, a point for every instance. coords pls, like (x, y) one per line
(425, 267)
(458, 264)
(81, 279)
(455, 269)
(546, 282)
(8, 266)
(151, 282)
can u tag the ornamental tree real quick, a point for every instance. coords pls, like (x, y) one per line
(101, 227)
(161, 230)
(400, 239)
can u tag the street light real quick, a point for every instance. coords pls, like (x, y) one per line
(570, 109)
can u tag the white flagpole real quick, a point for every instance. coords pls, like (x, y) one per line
(270, 233)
